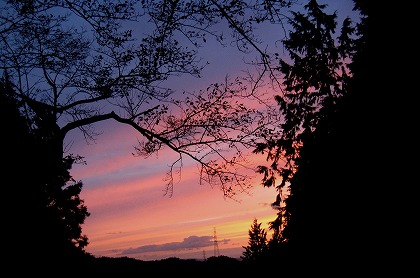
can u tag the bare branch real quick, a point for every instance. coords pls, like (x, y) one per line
(82, 63)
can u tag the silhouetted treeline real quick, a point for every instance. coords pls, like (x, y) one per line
(220, 266)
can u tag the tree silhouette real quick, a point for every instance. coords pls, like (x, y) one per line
(48, 212)
(257, 243)
(310, 153)
(72, 64)
(334, 215)
(76, 63)
(313, 83)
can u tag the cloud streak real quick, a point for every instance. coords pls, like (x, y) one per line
(191, 242)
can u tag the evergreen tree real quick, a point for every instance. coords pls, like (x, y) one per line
(257, 243)
(336, 214)
(45, 222)
(315, 84)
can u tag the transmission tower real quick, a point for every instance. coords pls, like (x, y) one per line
(215, 244)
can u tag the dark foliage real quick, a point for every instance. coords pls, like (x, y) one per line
(314, 85)
(337, 211)
(257, 243)
(220, 266)
(44, 213)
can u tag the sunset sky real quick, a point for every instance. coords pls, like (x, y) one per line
(130, 213)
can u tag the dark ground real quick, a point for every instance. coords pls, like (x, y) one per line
(214, 266)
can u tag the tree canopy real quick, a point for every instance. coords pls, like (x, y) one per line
(77, 63)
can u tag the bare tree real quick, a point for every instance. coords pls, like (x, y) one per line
(77, 63)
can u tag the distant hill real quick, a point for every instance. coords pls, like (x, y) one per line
(124, 266)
